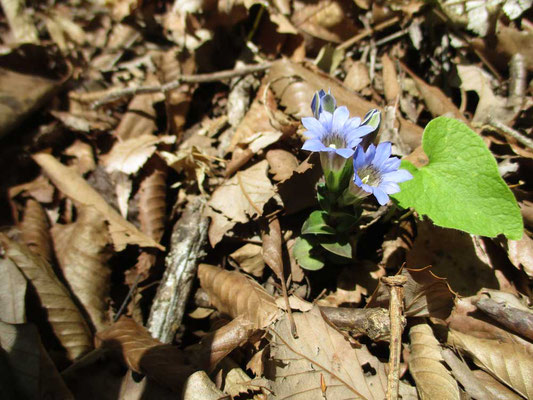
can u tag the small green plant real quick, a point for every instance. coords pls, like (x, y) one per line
(459, 188)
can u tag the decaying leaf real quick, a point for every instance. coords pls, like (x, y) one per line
(198, 386)
(12, 293)
(511, 363)
(236, 295)
(34, 230)
(272, 248)
(282, 163)
(130, 155)
(65, 318)
(249, 191)
(474, 78)
(75, 187)
(321, 362)
(81, 249)
(391, 86)
(426, 365)
(498, 389)
(250, 259)
(36, 376)
(425, 294)
(521, 253)
(152, 201)
(163, 363)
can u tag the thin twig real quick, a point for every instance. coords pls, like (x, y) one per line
(395, 285)
(198, 78)
(501, 127)
(128, 297)
(367, 32)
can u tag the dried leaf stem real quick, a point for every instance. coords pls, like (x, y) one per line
(197, 78)
(395, 285)
(513, 318)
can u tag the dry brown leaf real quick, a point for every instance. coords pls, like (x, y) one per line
(36, 376)
(425, 294)
(436, 101)
(83, 154)
(218, 344)
(521, 253)
(512, 41)
(510, 363)
(152, 200)
(498, 390)
(12, 293)
(432, 378)
(321, 354)
(34, 230)
(198, 386)
(453, 254)
(391, 86)
(272, 248)
(130, 155)
(250, 259)
(282, 163)
(81, 249)
(466, 318)
(237, 295)
(163, 363)
(63, 315)
(75, 187)
(397, 242)
(40, 189)
(474, 78)
(249, 191)
(357, 78)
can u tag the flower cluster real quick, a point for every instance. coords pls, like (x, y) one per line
(351, 172)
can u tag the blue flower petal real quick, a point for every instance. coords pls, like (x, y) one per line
(314, 145)
(359, 158)
(383, 152)
(389, 187)
(381, 196)
(314, 126)
(346, 153)
(370, 153)
(340, 116)
(392, 164)
(401, 175)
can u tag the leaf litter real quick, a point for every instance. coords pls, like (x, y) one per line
(153, 169)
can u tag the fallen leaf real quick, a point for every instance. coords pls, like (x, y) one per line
(64, 316)
(198, 386)
(36, 376)
(40, 189)
(474, 78)
(34, 230)
(357, 78)
(425, 294)
(498, 390)
(282, 163)
(250, 259)
(432, 378)
(272, 248)
(75, 187)
(511, 363)
(130, 155)
(320, 362)
(512, 41)
(249, 191)
(83, 154)
(163, 363)
(12, 293)
(238, 296)
(391, 86)
(82, 254)
(521, 254)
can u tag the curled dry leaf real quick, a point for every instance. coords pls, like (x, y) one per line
(425, 364)
(511, 363)
(320, 363)
(249, 191)
(425, 294)
(36, 376)
(83, 153)
(75, 187)
(34, 230)
(282, 163)
(272, 248)
(152, 201)
(237, 295)
(130, 155)
(198, 386)
(521, 254)
(81, 249)
(390, 79)
(63, 315)
(250, 259)
(12, 293)
(496, 388)
(163, 363)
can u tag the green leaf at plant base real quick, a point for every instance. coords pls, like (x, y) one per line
(317, 225)
(460, 187)
(340, 248)
(308, 254)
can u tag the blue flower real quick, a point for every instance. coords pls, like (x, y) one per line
(322, 101)
(377, 173)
